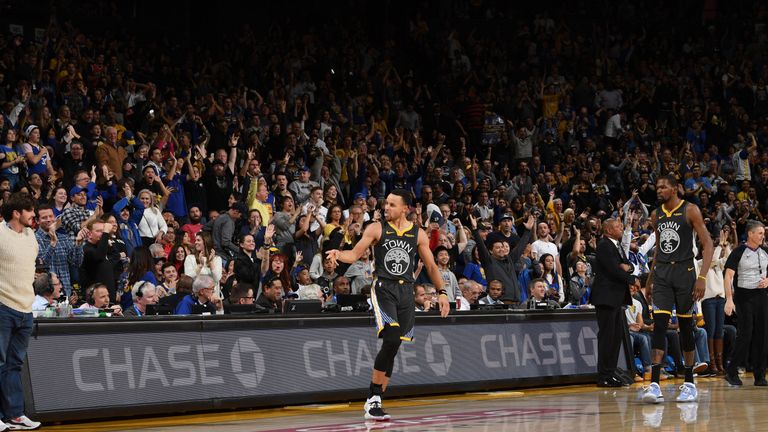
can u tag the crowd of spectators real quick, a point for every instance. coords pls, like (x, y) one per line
(219, 172)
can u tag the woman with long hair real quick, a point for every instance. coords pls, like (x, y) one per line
(152, 227)
(550, 276)
(331, 196)
(254, 227)
(518, 211)
(185, 240)
(60, 200)
(334, 219)
(247, 267)
(713, 303)
(44, 118)
(474, 269)
(203, 260)
(36, 153)
(276, 265)
(177, 256)
(140, 268)
(228, 279)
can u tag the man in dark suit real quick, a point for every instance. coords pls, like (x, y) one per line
(610, 292)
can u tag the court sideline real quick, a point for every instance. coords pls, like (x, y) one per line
(571, 408)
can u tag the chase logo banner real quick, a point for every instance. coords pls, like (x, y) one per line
(147, 366)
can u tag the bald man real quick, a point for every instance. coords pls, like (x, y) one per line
(610, 292)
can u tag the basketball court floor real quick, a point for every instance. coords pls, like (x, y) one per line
(568, 409)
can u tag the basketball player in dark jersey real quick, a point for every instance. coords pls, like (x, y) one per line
(396, 242)
(675, 282)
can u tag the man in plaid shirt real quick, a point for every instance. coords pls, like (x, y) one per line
(73, 217)
(58, 252)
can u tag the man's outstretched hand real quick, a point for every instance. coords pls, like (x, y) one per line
(445, 307)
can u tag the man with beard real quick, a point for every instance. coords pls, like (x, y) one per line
(219, 176)
(505, 231)
(18, 250)
(218, 186)
(396, 243)
(194, 225)
(675, 282)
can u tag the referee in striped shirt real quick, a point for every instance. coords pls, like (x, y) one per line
(746, 280)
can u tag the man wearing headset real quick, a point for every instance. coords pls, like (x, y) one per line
(144, 293)
(47, 291)
(97, 297)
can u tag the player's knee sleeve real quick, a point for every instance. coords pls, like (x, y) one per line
(385, 360)
(659, 337)
(687, 342)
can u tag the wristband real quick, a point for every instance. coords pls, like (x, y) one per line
(442, 292)
(702, 277)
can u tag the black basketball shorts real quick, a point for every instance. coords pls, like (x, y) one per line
(394, 306)
(673, 288)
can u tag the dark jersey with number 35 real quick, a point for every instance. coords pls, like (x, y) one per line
(395, 253)
(676, 235)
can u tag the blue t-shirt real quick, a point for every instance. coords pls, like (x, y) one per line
(41, 167)
(185, 305)
(11, 154)
(692, 182)
(475, 272)
(176, 201)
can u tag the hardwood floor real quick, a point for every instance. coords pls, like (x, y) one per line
(568, 409)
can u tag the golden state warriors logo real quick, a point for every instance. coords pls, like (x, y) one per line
(397, 259)
(669, 239)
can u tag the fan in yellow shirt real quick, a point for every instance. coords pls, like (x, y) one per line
(259, 198)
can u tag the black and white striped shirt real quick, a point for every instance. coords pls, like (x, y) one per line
(750, 265)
